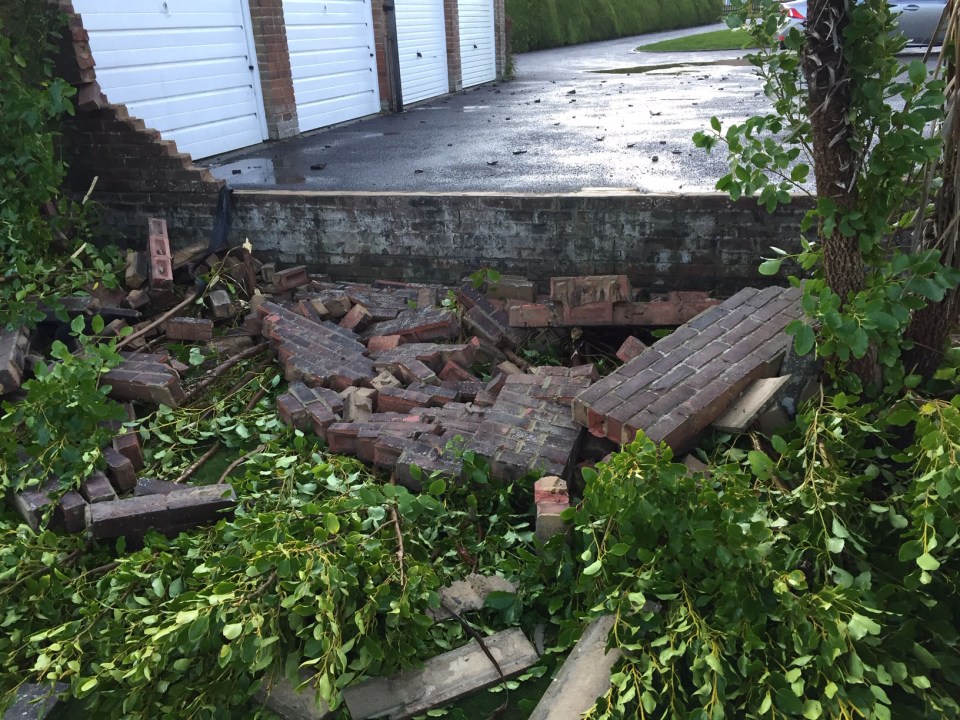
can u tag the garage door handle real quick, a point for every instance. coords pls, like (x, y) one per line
(249, 67)
(419, 54)
(474, 46)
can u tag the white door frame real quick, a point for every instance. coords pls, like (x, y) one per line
(252, 58)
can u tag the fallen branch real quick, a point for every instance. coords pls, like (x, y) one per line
(222, 368)
(239, 461)
(194, 294)
(486, 651)
(264, 586)
(198, 463)
(395, 518)
(517, 360)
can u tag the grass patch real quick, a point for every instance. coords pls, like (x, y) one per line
(716, 40)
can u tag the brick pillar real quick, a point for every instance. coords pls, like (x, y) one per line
(273, 57)
(385, 44)
(451, 18)
(500, 34)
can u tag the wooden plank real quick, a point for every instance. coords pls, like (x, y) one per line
(740, 416)
(442, 679)
(583, 677)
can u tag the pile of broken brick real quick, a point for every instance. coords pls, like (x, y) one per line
(383, 372)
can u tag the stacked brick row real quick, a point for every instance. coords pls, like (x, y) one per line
(605, 300)
(318, 353)
(682, 383)
(145, 377)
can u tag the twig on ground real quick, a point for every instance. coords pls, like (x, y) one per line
(221, 369)
(198, 463)
(239, 461)
(193, 295)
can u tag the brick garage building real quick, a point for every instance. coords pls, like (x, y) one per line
(227, 74)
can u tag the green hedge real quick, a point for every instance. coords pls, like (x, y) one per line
(539, 24)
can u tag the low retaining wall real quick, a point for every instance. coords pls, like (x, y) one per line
(663, 242)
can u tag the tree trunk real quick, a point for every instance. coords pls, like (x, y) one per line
(836, 162)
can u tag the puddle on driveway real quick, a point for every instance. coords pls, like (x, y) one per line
(257, 171)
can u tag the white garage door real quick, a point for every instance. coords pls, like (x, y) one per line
(185, 67)
(478, 58)
(422, 46)
(332, 60)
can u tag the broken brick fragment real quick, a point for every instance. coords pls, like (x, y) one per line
(290, 278)
(630, 348)
(120, 470)
(589, 289)
(14, 347)
(356, 319)
(128, 445)
(161, 269)
(189, 329)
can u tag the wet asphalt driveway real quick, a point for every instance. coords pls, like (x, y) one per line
(561, 125)
(558, 126)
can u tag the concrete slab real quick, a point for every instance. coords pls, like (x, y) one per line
(469, 594)
(583, 677)
(442, 679)
(280, 696)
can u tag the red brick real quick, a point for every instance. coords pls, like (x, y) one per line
(630, 349)
(597, 313)
(290, 278)
(533, 315)
(128, 445)
(356, 319)
(161, 269)
(189, 329)
(577, 291)
(453, 371)
(399, 400)
(120, 470)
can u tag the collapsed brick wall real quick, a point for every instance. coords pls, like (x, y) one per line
(138, 173)
(663, 242)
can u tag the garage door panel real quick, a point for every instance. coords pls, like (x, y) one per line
(478, 58)
(206, 108)
(183, 66)
(339, 87)
(95, 22)
(171, 84)
(331, 60)
(216, 139)
(317, 68)
(422, 49)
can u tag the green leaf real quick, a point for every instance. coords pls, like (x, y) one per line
(804, 340)
(593, 568)
(928, 562)
(917, 71)
(770, 267)
(499, 600)
(835, 545)
(619, 550)
(437, 487)
(859, 626)
(760, 464)
(232, 631)
(332, 523)
(77, 324)
(812, 709)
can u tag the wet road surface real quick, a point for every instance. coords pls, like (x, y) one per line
(562, 125)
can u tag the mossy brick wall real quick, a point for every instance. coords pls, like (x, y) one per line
(539, 24)
(663, 242)
(127, 164)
